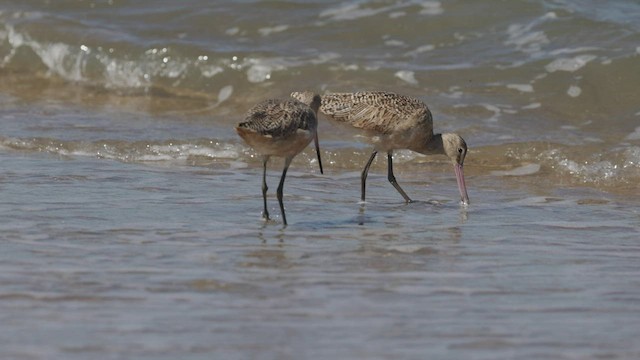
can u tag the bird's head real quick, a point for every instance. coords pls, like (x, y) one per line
(309, 98)
(455, 148)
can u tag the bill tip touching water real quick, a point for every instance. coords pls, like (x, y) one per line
(390, 122)
(283, 128)
(456, 149)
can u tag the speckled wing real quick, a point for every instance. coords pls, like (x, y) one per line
(381, 112)
(279, 118)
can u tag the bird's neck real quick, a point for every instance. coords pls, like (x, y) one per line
(433, 146)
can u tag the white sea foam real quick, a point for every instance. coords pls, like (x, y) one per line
(590, 172)
(225, 93)
(261, 69)
(232, 31)
(495, 110)
(124, 73)
(574, 91)
(431, 8)
(357, 10)
(617, 165)
(15, 40)
(172, 69)
(259, 72)
(397, 14)
(183, 151)
(527, 40)
(60, 59)
(350, 11)
(581, 49)
(408, 76)
(521, 87)
(408, 248)
(569, 64)
(420, 50)
(523, 170)
(634, 135)
(345, 67)
(210, 71)
(155, 157)
(70, 63)
(266, 31)
(535, 105)
(393, 42)
(323, 58)
(632, 156)
(401, 156)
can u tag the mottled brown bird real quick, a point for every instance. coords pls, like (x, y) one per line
(283, 128)
(392, 121)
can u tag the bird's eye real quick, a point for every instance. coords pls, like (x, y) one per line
(460, 150)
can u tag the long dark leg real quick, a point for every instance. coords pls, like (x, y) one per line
(392, 178)
(365, 172)
(287, 162)
(265, 213)
(315, 140)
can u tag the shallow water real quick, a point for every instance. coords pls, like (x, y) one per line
(107, 259)
(131, 211)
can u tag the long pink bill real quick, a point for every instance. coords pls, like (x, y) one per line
(315, 140)
(464, 197)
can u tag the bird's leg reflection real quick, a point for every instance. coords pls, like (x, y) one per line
(361, 215)
(261, 236)
(455, 234)
(280, 235)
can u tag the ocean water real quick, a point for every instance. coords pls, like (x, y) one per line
(131, 211)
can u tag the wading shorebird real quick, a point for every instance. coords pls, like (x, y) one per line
(283, 128)
(391, 122)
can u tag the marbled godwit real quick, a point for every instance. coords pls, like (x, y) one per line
(392, 122)
(281, 128)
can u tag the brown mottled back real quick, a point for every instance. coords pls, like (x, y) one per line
(279, 118)
(378, 111)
